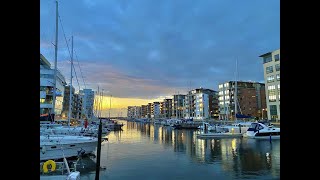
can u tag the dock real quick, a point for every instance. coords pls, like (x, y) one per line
(220, 135)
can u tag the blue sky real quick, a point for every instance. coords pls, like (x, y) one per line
(148, 49)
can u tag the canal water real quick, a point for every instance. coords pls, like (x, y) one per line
(152, 152)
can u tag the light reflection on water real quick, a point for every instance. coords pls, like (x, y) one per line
(147, 151)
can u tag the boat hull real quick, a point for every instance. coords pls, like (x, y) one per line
(54, 148)
(220, 135)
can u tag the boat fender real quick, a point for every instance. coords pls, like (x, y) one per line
(47, 163)
(43, 150)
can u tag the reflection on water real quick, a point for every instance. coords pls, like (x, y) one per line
(148, 151)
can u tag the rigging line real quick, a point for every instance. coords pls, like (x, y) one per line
(76, 76)
(68, 49)
(80, 70)
(64, 34)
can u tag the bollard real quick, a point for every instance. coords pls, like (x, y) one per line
(270, 138)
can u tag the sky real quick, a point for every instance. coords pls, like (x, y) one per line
(141, 51)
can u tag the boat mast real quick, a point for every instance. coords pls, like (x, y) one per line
(55, 64)
(70, 87)
(235, 93)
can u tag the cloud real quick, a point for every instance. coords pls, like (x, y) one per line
(149, 48)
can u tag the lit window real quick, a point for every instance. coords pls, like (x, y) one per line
(270, 78)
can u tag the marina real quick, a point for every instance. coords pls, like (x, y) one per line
(166, 121)
(148, 151)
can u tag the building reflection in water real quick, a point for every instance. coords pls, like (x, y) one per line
(238, 155)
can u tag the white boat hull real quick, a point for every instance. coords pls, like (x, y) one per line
(71, 146)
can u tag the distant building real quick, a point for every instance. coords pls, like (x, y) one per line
(155, 110)
(166, 108)
(149, 110)
(144, 111)
(201, 104)
(77, 106)
(177, 105)
(66, 102)
(134, 112)
(271, 69)
(47, 88)
(250, 100)
(87, 102)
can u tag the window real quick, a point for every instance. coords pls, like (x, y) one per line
(270, 78)
(278, 77)
(269, 69)
(277, 67)
(279, 92)
(273, 110)
(267, 59)
(277, 57)
(272, 93)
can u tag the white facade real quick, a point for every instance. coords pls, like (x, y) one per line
(196, 104)
(224, 100)
(47, 88)
(201, 106)
(87, 102)
(271, 69)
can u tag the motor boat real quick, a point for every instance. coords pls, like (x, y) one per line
(262, 130)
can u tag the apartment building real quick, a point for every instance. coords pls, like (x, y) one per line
(250, 99)
(201, 104)
(271, 69)
(87, 96)
(177, 105)
(47, 84)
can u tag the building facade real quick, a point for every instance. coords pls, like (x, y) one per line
(250, 99)
(144, 111)
(134, 112)
(87, 96)
(47, 89)
(155, 110)
(271, 69)
(177, 105)
(201, 104)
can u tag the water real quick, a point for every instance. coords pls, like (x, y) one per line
(147, 151)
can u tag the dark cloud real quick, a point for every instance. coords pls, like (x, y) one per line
(149, 48)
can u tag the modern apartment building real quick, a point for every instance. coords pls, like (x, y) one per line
(250, 99)
(166, 108)
(144, 111)
(155, 110)
(177, 105)
(149, 110)
(77, 106)
(201, 104)
(87, 102)
(47, 89)
(271, 69)
(66, 102)
(134, 112)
